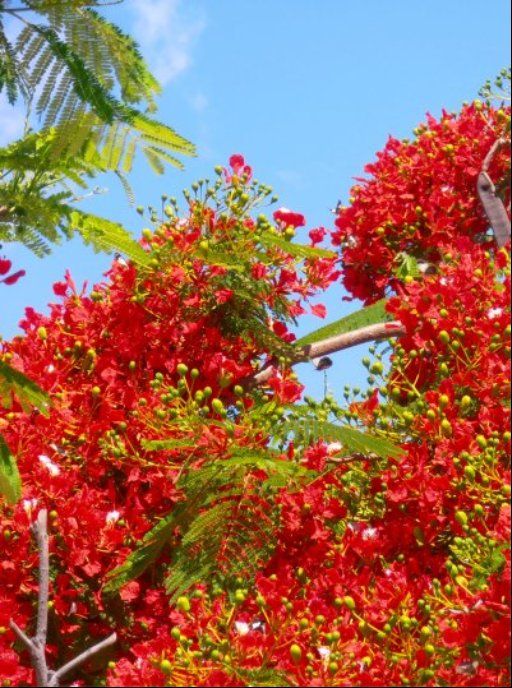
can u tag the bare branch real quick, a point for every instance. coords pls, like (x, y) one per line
(81, 658)
(492, 203)
(24, 638)
(331, 345)
(499, 143)
(40, 531)
(347, 340)
(37, 645)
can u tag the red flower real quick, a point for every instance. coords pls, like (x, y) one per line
(319, 309)
(5, 266)
(317, 235)
(12, 279)
(288, 218)
(239, 167)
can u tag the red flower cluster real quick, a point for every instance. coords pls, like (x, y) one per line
(378, 571)
(385, 572)
(148, 354)
(419, 197)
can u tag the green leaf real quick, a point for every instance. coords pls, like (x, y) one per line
(263, 676)
(297, 250)
(222, 259)
(108, 236)
(139, 560)
(28, 393)
(369, 315)
(207, 519)
(406, 266)
(162, 445)
(313, 430)
(10, 481)
(85, 83)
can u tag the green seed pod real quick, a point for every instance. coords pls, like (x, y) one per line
(217, 405)
(182, 369)
(295, 653)
(183, 604)
(166, 666)
(461, 517)
(349, 602)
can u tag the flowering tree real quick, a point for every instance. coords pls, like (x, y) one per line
(230, 533)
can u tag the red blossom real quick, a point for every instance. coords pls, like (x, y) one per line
(288, 218)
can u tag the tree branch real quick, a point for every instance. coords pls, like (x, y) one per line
(492, 203)
(40, 532)
(81, 658)
(37, 645)
(331, 345)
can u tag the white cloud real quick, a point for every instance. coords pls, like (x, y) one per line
(166, 35)
(11, 121)
(199, 102)
(294, 179)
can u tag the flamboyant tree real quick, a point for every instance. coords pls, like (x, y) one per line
(229, 533)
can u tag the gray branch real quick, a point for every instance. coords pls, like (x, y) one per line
(37, 645)
(331, 345)
(492, 203)
(81, 658)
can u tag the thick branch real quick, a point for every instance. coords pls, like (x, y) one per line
(40, 531)
(331, 345)
(492, 203)
(37, 645)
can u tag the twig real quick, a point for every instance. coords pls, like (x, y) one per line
(492, 203)
(81, 658)
(37, 645)
(331, 345)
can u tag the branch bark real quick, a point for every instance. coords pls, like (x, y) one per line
(331, 345)
(37, 644)
(491, 202)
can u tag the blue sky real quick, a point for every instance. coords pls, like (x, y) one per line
(307, 90)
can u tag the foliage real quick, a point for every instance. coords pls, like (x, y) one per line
(366, 316)
(69, 70)
(90, 86)
(232, 536)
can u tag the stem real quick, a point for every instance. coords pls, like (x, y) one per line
(39, 529)
(333, 344)
(81, 658)
(492, 203)
(37, 645)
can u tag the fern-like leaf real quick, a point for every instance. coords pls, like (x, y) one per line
(296, 250)
(108, 236)
(308, 430)
(223, 521)
(29, 395)
(10, 482)
(366, 316)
